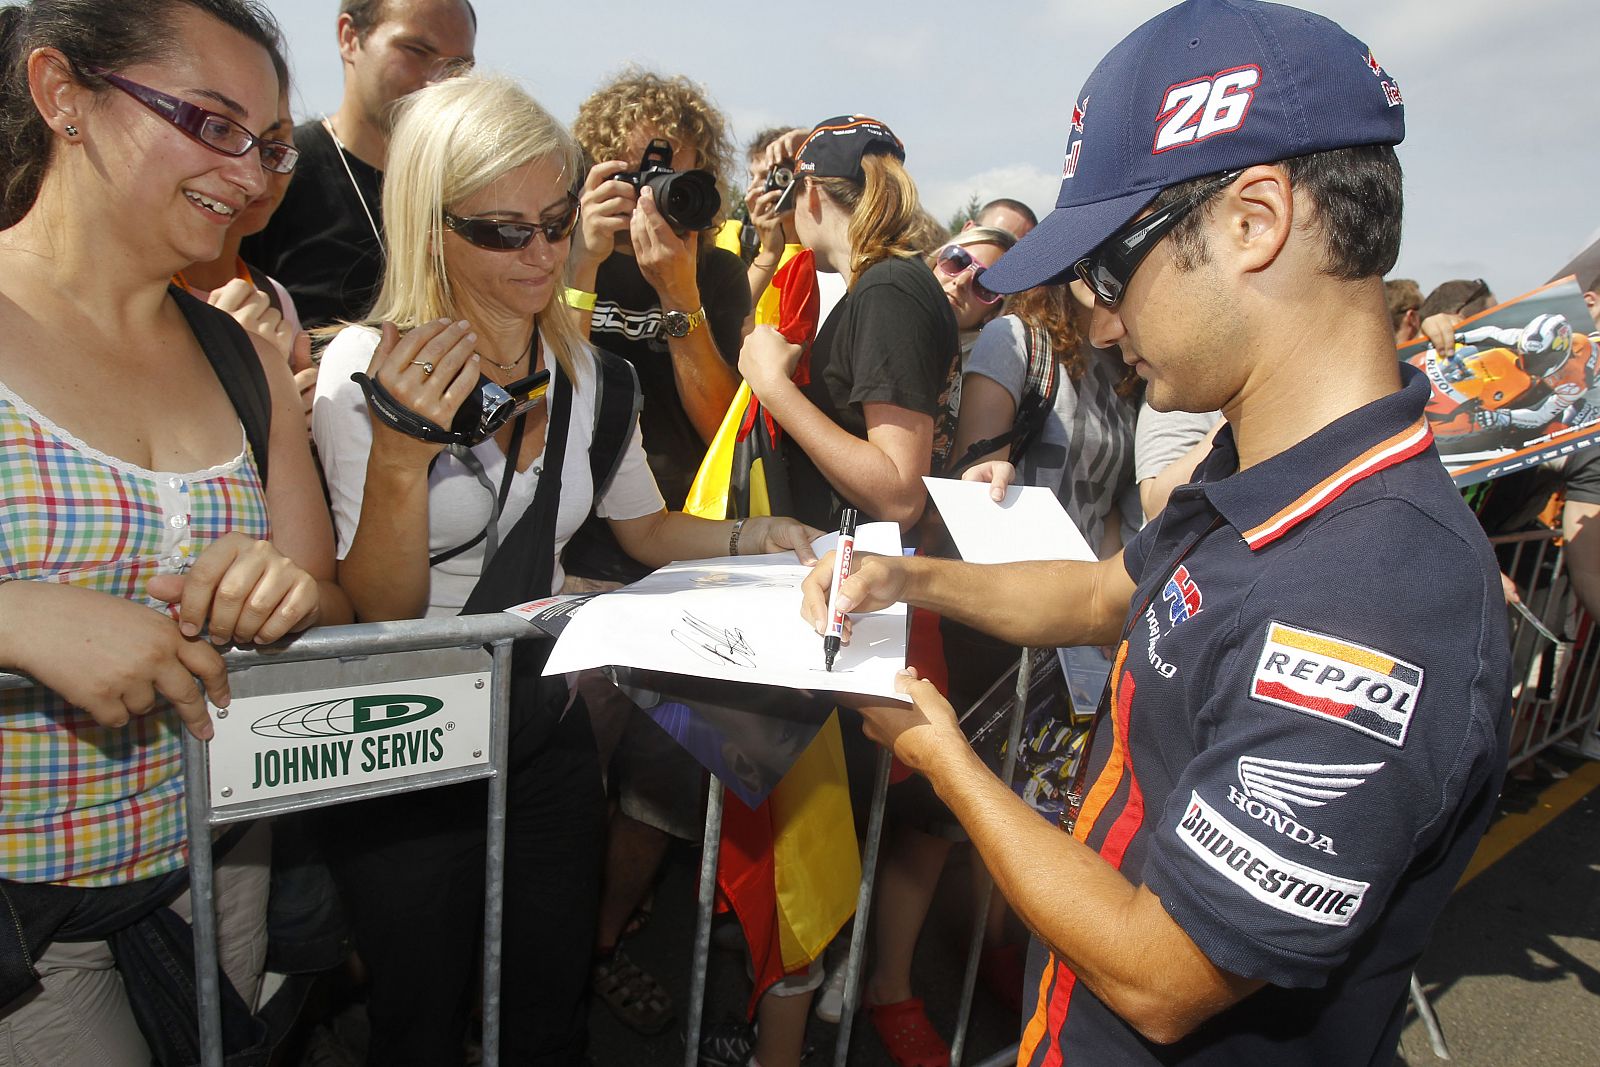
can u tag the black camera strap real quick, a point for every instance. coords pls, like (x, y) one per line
(397, 416)
(491, 530)
(525, 569)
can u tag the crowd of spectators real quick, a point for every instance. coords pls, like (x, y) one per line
(174, 237)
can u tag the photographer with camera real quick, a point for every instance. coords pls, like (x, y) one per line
(773, 229)
(663, 299)
(480, 212)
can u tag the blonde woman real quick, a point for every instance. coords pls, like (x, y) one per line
(959, 264)
(479, 212)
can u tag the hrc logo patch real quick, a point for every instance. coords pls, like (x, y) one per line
(1350, 684)
(1183, 596)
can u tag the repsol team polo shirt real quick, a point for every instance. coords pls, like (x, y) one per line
(1307, 731)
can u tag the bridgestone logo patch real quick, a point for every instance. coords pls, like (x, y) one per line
(1290, 887)
(1350, 684)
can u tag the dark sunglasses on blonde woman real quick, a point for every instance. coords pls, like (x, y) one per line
(508, 235)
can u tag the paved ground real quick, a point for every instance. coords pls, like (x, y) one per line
(1514, 970)
(665, 949)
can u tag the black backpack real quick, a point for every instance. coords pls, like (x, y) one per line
(237, 367)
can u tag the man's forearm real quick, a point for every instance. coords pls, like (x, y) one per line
(1114, 935)
(705, 381)
(1043, 604)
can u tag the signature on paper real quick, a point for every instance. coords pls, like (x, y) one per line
(715, 644)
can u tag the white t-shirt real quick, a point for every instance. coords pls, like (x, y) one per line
(459, 504)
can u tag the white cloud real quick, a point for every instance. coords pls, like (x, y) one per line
(1020, 181)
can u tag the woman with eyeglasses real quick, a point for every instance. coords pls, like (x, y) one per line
(479, 215)
(157, 499)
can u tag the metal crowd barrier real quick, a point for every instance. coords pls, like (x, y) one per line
(855, 961)
(375, 710)
(1556, 683)
(710, 851)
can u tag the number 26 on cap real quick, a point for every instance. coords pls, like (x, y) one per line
(1195, 110)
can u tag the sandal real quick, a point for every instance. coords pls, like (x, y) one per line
(640, 918)
(634, 997)
(908, 1034)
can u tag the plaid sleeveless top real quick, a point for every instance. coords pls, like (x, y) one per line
(80, 803)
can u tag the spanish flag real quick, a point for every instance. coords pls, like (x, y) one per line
(790, 869)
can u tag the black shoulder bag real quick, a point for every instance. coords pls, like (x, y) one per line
(523, 566)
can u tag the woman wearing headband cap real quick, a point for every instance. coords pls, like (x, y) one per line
(863, 423)
(862, 419)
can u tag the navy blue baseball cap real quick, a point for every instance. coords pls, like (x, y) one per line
(1204, 87)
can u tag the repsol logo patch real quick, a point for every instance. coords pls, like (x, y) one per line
(1290, 887)
(1350, 684)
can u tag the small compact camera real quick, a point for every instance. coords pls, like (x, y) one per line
(687, 199)
(781, 176)
(486, 409)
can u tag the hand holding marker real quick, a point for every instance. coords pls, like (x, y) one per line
(841, 570)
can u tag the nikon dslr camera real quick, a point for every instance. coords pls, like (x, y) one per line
(688, 199)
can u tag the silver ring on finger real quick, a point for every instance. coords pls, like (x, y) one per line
(427, 367)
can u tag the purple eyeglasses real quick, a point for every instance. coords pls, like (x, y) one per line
(217, 132)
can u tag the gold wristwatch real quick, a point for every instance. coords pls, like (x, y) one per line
(682, 324)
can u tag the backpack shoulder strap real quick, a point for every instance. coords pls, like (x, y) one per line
(261, 281)
(616, 413)
(1044, 369)
(1037, 398)
(237, 367)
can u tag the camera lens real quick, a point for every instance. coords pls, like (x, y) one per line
(779, 177)
(485, 410)
(688, 199)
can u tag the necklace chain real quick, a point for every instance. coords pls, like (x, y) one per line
(327, 124)
(507, 368)
(504, 367)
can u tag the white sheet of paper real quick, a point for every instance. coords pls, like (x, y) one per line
(737, 618)
(1029, 523)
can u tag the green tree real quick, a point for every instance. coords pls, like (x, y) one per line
(965, 213)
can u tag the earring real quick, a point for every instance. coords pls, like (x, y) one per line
(72, 131)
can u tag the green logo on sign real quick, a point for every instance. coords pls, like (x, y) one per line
(347, 715)
(383, 712)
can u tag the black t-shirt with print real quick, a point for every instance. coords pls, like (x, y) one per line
(891, 340)
(320, 243)
(628, 321)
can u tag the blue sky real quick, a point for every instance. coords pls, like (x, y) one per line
(1502, 163)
